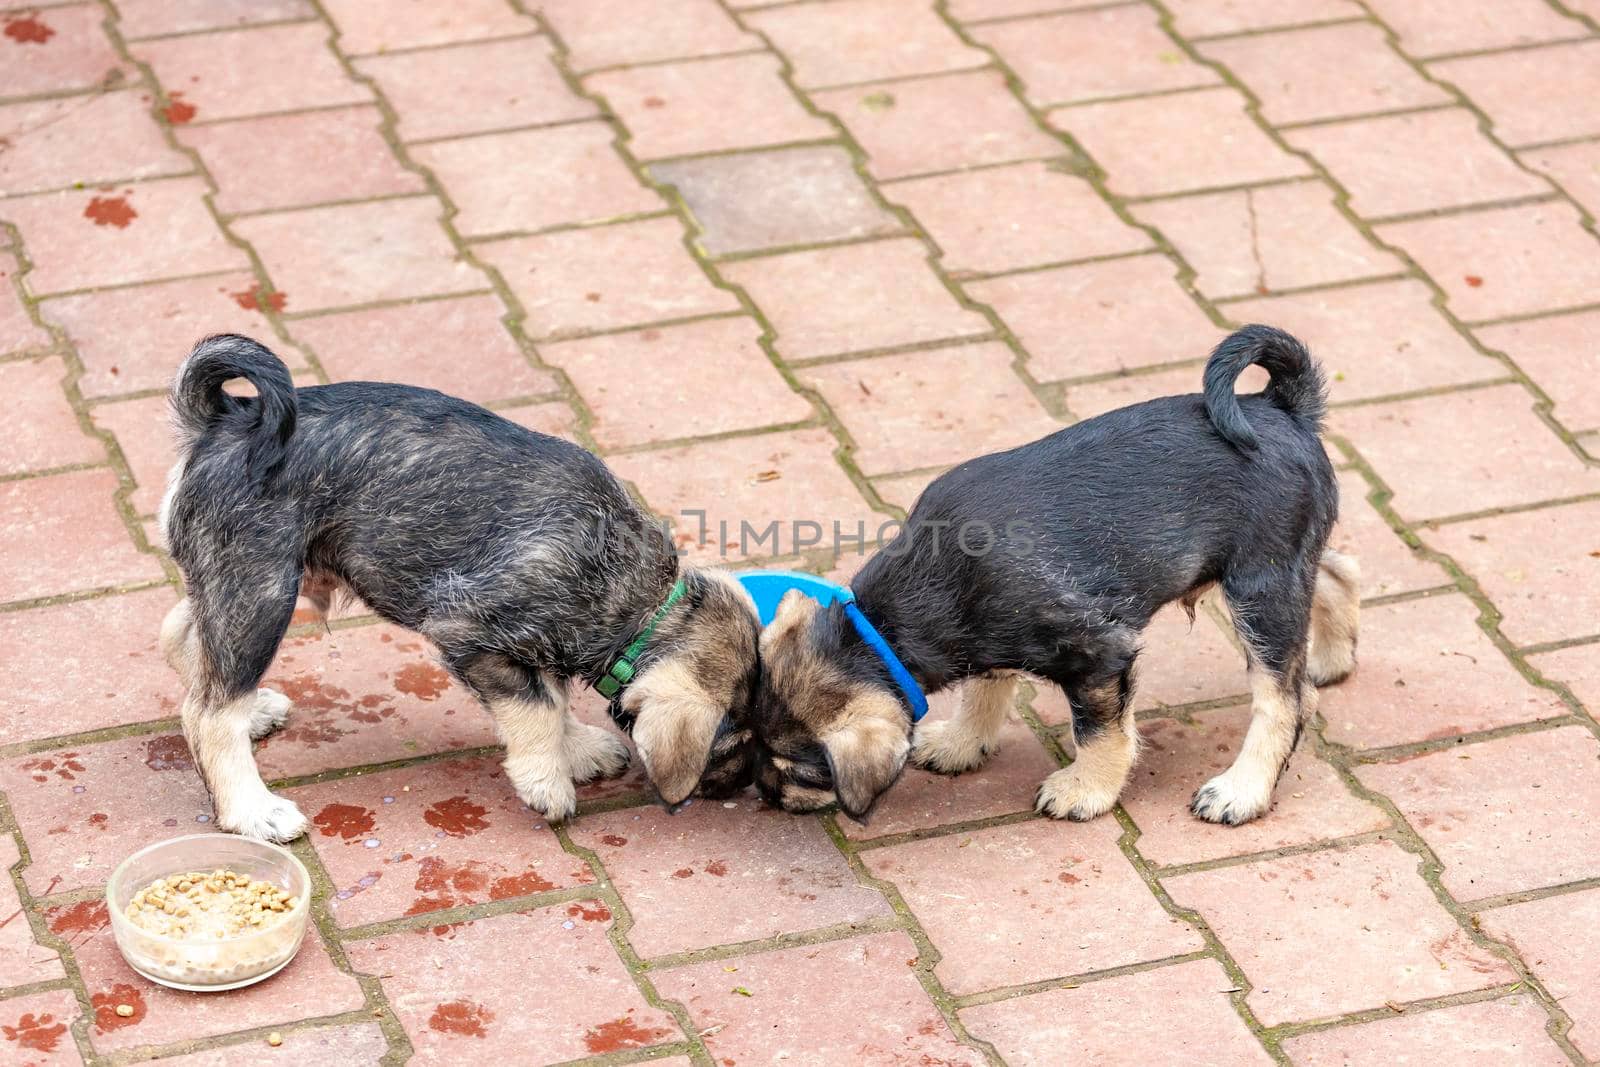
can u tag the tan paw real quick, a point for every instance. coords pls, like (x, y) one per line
(946, 747)
(1065, 795)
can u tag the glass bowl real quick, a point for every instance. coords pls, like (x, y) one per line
(212, 963)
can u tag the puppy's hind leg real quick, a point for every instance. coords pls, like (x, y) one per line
(270, 708)
(1107, 741)
(965, 741)
(1335, 616)
(1272, 619)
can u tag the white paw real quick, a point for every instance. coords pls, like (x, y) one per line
(270, 712)
(554, 798)
(1065, 795)
(1232, 798)
(272, 818)
(594, 752)
(945, 747)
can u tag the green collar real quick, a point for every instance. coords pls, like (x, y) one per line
(620, 673)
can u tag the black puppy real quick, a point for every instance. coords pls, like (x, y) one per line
(1049, 560)
(519, 555)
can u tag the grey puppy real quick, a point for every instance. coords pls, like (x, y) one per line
(517, 554)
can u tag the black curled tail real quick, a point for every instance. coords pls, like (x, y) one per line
(1296, 383)
(265, 421)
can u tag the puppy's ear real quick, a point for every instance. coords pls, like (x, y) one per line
(675, 724)
(867, 746)
(795, 611)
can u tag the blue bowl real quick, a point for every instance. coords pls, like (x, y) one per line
(766, 588)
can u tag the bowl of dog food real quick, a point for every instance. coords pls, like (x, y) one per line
(766, 588)
(209, 912)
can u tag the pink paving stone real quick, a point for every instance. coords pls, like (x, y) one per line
(22, 959)
(1374, 340)
(722, 872)
(1199, 18)
(1099, 317)
(784, 196)
(354, 1044)
(670, 382)
(83, 810)
(58, 661)
(63, 535)
(709, 105)
(1561, 353)
(18, 332)
(474, 88)
(1323, 72)
(1502, 815)
(1005, 218)
(1182, 1006)
(902, 491)
(234, 73)
(1486, 1034)
(1578, 668)
(365, 694)
(980, 10)
(143, 432)
(1406, 163)
(459, 346)
(576, 281)
(853, 298)
(1004, 905)
(1427, 671)
(1465, 452)
(162, 1015)
(936, 124)
(1090, 55)
(101, 138)
(1535, 94)
(1537, 567)
(151, 18)
(447, 835)
(863, 40)
(462, 990)
(1170, 144)
(133, 339)
(851, 1001)
(1437, 27)
(74, 52)
(1096, 397)
(1309, 804)
(615, 33)
(555, 418)
(48, 434)
(1395, 943)
(296, 160)
(396, 24)
(36, 1027)
(930, 408)
(1253, 241)
(534, 179)
(1388, 564)
(1574, 167)
(1005, 785)
(1556, 938)
(120, 234)
(353, 253)
(790, 478)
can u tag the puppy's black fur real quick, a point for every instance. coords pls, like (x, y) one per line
(1088, 532)
(518, 554)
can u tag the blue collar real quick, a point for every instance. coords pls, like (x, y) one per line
(897, 670)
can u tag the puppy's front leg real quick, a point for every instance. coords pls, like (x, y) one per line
(964, 742)
(1107, 742)
(538, 757)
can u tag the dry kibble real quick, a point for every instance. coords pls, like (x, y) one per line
(274, 1039)
(124, 1011)
(218, 905)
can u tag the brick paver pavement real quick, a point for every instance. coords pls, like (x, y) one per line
(786, 261)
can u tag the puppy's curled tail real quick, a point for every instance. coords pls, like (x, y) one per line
(199, 403)
(1295, 385)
